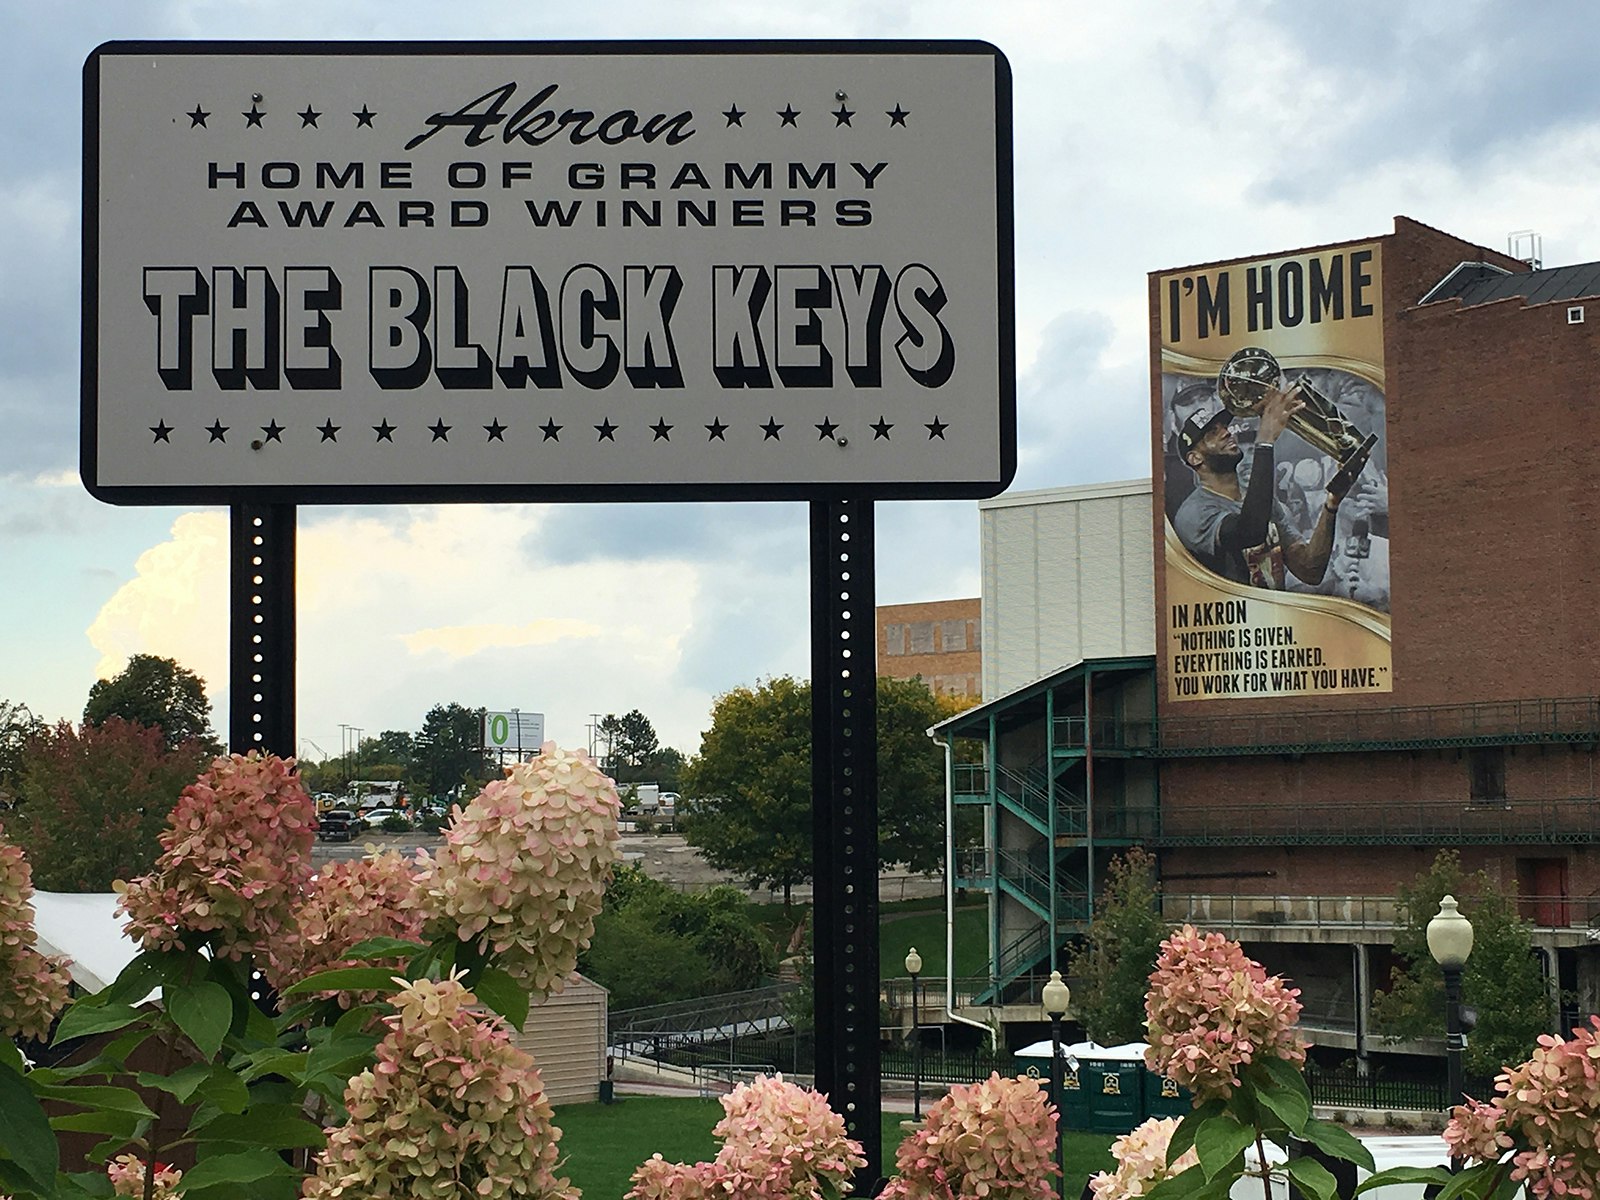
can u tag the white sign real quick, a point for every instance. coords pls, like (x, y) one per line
(513, 730)
(403, 272)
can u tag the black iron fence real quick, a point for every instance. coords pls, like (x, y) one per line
(794, 1053)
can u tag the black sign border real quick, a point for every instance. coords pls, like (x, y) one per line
(466, 493)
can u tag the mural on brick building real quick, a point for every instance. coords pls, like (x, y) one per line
(1274, 476)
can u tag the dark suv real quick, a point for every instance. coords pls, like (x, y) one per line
(339, 825)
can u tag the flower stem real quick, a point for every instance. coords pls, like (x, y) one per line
(1266, 1168)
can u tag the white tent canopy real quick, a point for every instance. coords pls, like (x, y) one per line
(1127, 1052)
(85, 928)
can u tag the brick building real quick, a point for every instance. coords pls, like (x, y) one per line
(939, 640)
(1294, 745)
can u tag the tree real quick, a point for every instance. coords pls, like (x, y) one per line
(1502, 978)
(910, 776)
(653, 945)
(1113, 965)
(17, 726)
(631, 746)
(156, 692)
(752, 784)
(92, 801)
(448, 750)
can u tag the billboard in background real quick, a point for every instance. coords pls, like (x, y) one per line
(1276, 559)
(513, 730)
(402, 272)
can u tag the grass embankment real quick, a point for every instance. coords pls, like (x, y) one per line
(902, 925)
(604, 1143)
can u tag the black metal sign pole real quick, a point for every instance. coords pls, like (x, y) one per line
(844, 785)
(261, 637)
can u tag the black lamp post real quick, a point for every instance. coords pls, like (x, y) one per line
(1056, 996)
(914, 969)
(1450, 942)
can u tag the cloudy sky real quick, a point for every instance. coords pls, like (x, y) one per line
(1147, 135)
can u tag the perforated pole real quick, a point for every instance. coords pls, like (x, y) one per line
(844, 775)
(261, 628)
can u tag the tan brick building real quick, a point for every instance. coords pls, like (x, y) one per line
(939, 640)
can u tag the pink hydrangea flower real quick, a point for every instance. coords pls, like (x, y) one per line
(1141, 1157)
(348, 902)
(994, 1139)
(779, 1142)
(1550, 1108)
(35, 986)
(235, 859)
(451, 1108)
(126, 1173)
(1476, 1131)
(1212, 1010)
(524, 866)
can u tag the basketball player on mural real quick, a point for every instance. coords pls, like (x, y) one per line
(1242, 532)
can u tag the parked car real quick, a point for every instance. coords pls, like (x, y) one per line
(377, 816)
(339, 825)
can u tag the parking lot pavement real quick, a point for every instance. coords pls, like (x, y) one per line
(665, 856)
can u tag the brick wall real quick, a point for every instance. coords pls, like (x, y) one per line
(939, 640)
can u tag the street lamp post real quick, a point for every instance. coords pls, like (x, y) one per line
(1450, 942)
(914, 969)
(1056, 996)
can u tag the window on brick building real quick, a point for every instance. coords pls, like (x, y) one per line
(975, 634)
(952, 635)
(921, 637)
(894, 639)
(1487, 769)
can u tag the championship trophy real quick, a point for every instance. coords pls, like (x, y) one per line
(1250, 373)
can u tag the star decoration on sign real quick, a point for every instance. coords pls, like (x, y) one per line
(496, 431)
(440, 431)
(163, 432)
(606, 430)
(364, 117)
(841, 116)
(662, 430)
(936, 428)
(308, 117)
(897, 115)
(880, 428)
(551, 431)
(385, 431)
(715, 430)
(253, 117)
(769, 431)
(789, 112)
(825, 428)
(273, 430)
(218, 432)
(329, 431)
(735, 116)
(197, 118)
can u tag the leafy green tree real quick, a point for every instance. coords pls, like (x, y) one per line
(156, 692)
(910, 776)
(752, 782)
(92, 801)
(631, 746)
(653, 945)
(1502, 978)
(1113, 965)
(448, 750)
(17, 726)
(752, 785)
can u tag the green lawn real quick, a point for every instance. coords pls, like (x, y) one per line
(604, 1143)
(924, 929)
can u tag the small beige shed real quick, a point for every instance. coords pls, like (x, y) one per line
(566, 1034)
